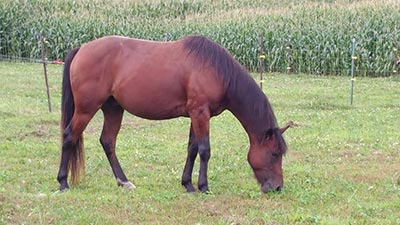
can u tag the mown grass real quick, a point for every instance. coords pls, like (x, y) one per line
(342, 166)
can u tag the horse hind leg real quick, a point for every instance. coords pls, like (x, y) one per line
(72, 154)
(113, 113)
(66, 150)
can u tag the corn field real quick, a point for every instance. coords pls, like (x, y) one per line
(309, 36)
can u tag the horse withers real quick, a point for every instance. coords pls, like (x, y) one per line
(192, 77)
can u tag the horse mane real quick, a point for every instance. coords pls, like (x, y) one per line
(211, 54)
(245, 99)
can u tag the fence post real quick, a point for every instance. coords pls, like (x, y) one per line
(167, 37)
(289, 56)
(42, 48)
(261, 58)
(396, 59)
(353, 58)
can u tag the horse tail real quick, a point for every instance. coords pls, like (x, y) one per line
(76, 163)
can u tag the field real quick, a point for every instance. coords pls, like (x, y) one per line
(309, 36)
(342, 166)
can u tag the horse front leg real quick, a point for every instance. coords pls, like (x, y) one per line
(204, 153)
(200, 124)
(191, 157)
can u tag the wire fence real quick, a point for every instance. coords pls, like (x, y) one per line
(10, 58)
(288, 57)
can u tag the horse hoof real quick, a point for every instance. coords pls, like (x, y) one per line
(64, 187)
(64, 190)
(59, 191)
(189, 188)
(125, 184)
(204, 189)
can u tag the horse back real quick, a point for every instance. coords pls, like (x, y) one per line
(153, 80)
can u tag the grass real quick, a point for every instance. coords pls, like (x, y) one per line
(342, 166)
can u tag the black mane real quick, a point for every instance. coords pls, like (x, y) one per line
(245, 99)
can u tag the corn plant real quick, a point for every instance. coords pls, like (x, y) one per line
(319, 32)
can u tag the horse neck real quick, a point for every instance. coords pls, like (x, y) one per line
(251, 107)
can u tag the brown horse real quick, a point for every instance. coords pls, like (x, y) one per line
(192, 77)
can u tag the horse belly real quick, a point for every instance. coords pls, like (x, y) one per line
(154, 101)
(158, 111)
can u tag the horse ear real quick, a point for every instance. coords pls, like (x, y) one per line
(288, 124)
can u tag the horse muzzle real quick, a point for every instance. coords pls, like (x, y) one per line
(267, 186)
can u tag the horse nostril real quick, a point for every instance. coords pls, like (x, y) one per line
(279, 188)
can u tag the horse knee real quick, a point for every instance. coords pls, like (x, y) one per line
(192, 151)
(204, 152)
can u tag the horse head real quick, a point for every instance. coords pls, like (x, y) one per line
(265, 158)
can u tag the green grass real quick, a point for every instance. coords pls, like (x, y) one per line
(342, 166)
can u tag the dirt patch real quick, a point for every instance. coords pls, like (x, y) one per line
(371, 168)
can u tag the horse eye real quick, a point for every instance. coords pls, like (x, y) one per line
(275, 155)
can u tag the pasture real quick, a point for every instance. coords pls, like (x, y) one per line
(342, 167)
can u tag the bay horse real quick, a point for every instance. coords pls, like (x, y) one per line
(192, 77)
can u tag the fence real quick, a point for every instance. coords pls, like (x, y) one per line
(286, 58)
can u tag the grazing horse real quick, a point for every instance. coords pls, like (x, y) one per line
(192, 77)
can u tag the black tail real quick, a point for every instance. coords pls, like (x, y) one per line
(76, 160)
(67, 98)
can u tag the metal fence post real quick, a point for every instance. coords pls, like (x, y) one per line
(353, 58)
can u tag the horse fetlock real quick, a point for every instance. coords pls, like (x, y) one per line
(203, 185)
(63, 185)
(187, 183)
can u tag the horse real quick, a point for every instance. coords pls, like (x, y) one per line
(191, 77)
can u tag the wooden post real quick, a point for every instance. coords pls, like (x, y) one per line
(42, 48)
